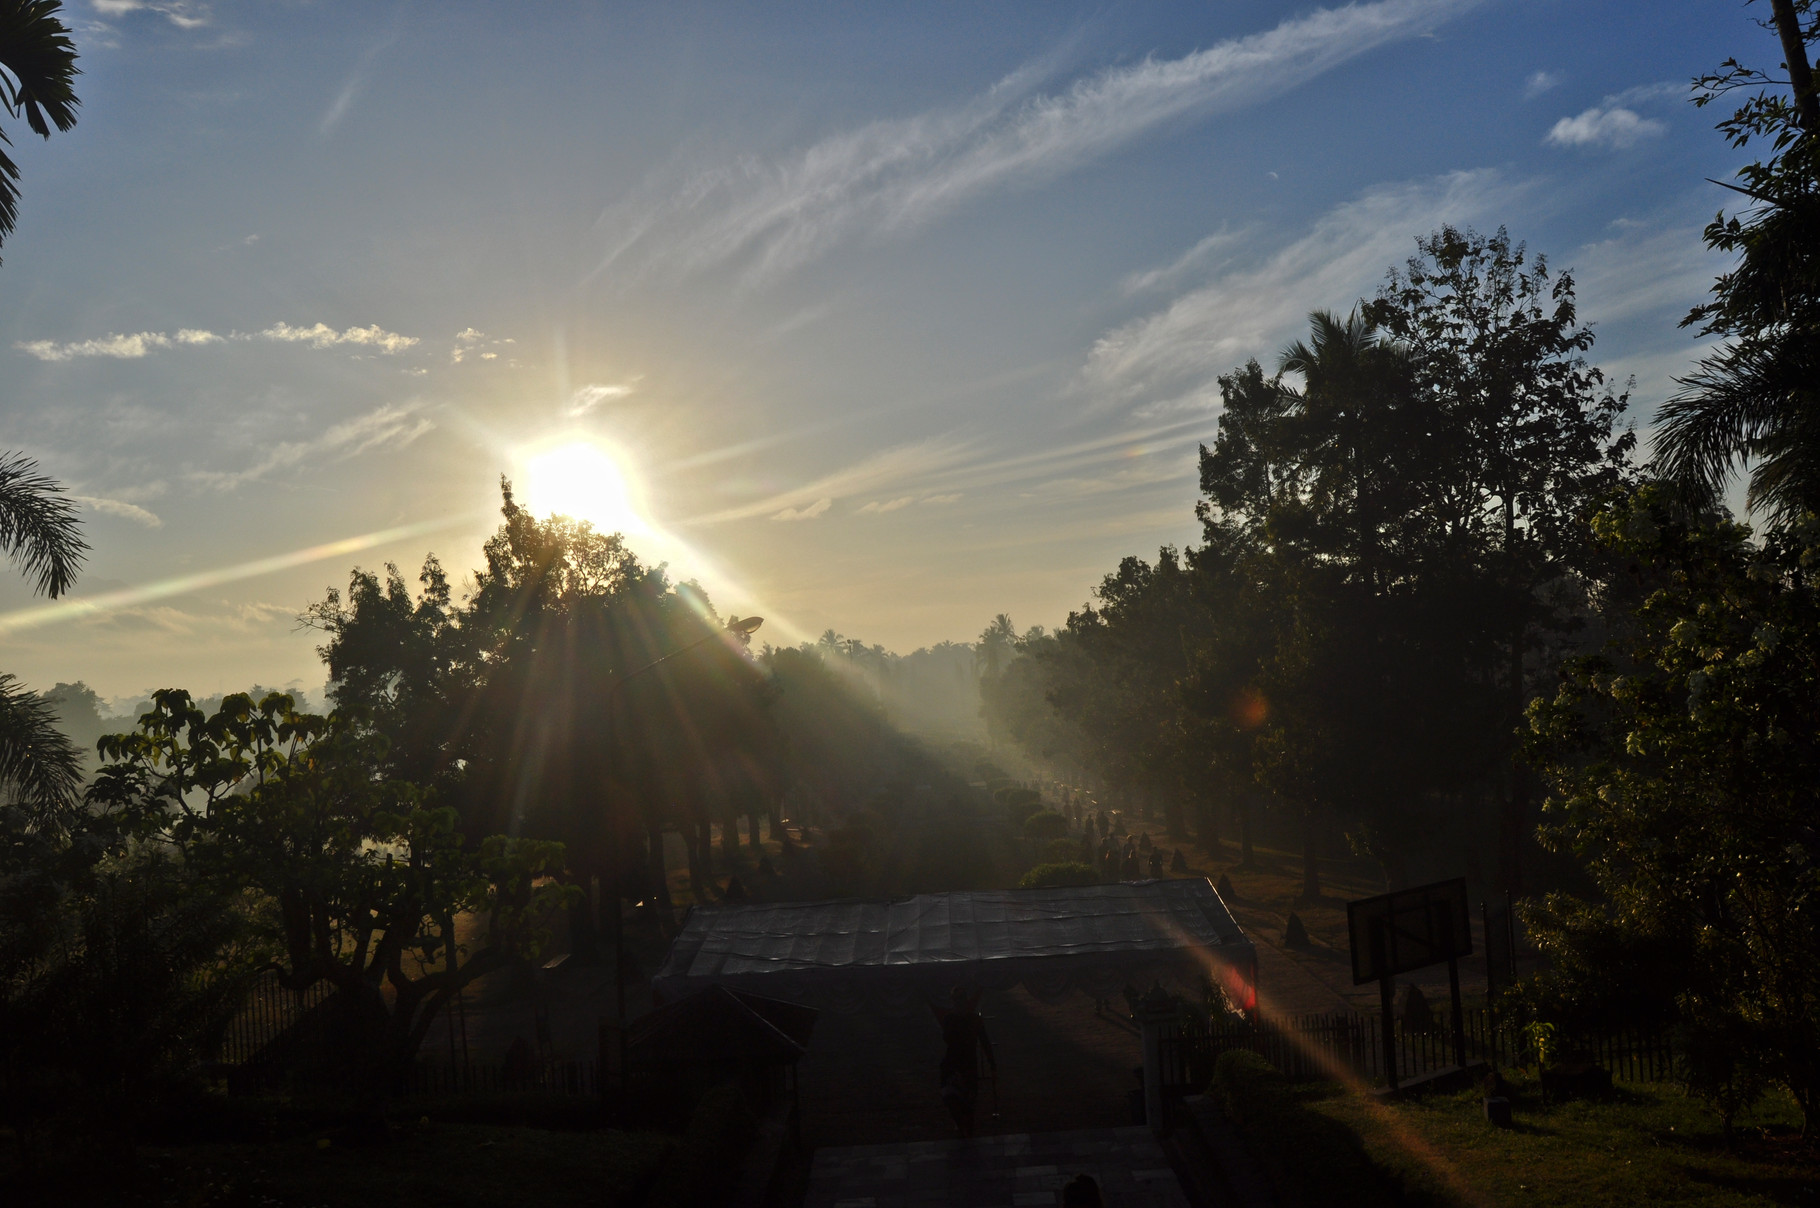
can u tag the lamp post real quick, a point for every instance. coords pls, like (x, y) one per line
(739, 627)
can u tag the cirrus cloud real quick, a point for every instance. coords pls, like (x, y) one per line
(896, 175)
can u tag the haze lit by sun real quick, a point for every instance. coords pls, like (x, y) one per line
(582, 480)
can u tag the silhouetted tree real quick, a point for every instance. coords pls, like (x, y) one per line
(1755, 401)
(37, 81)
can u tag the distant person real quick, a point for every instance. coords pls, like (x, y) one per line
(1178, 862)
(963, 1039)
(1156, 863)
(1089, 856)
(1129, 870)
(1105, 823)
(1082, 1191)
(1144, 843)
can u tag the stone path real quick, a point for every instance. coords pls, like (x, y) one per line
(1020, 1168)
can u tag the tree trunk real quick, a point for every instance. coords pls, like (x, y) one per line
(584, 928)
(1794, 52)
(729, 842)
(659, 867)
(1243, 805)
(1207, 820)
(752, 840)
(1513, 824)
(693, 845)
(1311, 869)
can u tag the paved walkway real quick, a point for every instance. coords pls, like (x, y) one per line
(1020, 1168)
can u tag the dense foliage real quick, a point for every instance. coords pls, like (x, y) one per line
(1391, 555)
(1683, 760)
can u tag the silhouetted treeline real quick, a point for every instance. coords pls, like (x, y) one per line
(1393, 553)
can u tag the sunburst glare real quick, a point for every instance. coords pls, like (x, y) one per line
(582, 480)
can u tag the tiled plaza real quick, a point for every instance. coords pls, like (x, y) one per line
(1017, 1169)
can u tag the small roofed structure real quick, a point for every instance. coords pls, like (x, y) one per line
(895, 956)
(712, 1036)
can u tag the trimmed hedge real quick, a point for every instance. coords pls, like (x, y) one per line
(1045, 824)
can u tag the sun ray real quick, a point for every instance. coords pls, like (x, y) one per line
(113, 601)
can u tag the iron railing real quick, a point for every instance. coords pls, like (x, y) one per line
(1346, 1044)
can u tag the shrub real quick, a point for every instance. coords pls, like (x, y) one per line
(1058, 876)
(1062, 851)
(1045, 824)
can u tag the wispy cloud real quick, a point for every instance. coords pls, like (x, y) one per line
(394, 424)
(356, 80)
(120, 508)
(880, 507)
(1190, 261)
(807, 511)
(142, 343)
(1170, 360)
(1539, 83)
(1612, 123)
(185, 14)
(893, 176)
(889, 468)
(594, 394)
(1645, 269)
(950, 497)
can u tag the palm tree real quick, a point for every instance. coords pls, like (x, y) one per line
(997, 641)
(37, 81)
(39, 530)
(1753, 401)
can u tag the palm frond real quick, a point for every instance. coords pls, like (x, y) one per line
(38, 81)
(39, 765)
(1744, 404)
(39, 527)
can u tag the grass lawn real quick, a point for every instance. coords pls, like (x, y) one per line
(448, 1165)
(1649, 1145)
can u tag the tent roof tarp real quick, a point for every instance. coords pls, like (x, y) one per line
(869, 955)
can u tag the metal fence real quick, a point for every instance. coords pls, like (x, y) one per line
(1347, 1044)
(273, 1044)
(267, 1013)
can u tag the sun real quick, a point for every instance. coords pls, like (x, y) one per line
(581, 480)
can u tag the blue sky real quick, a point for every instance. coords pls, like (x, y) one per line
(891, 317)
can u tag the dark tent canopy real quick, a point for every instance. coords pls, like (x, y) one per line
(893, 956)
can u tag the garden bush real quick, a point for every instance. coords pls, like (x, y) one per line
(1057, 876)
